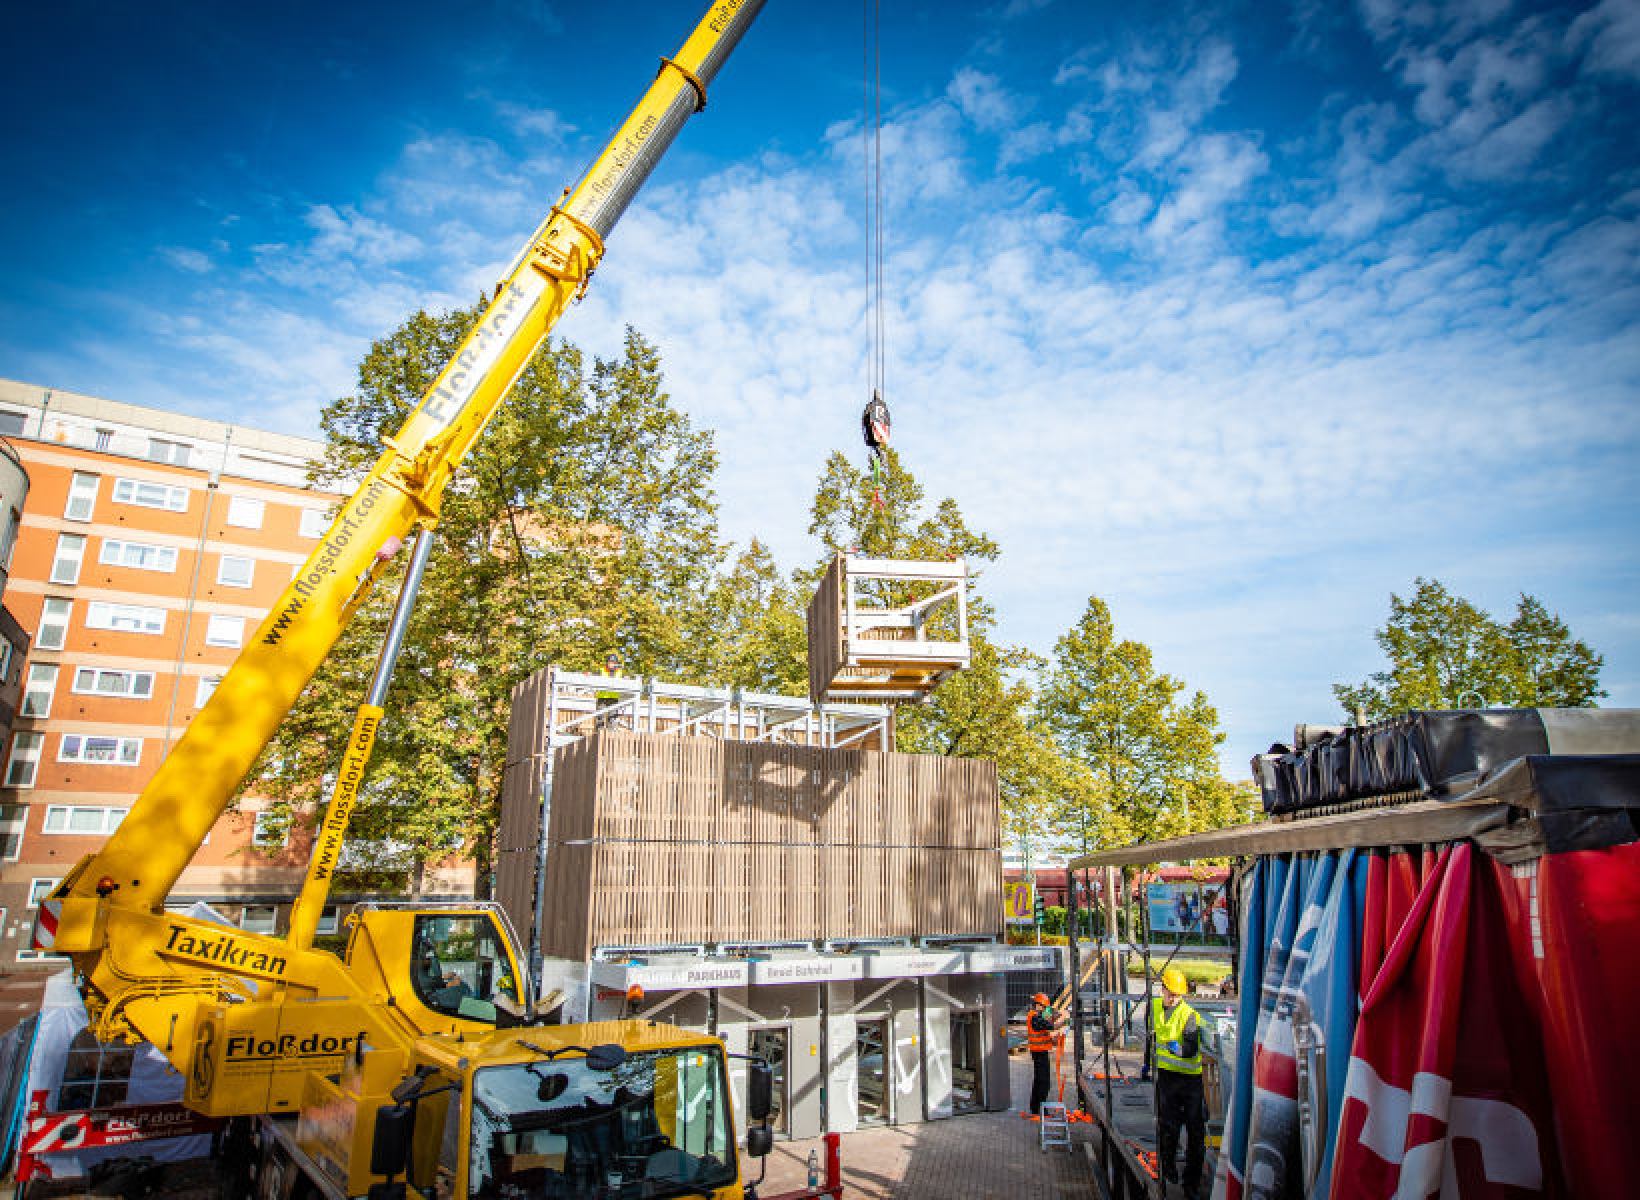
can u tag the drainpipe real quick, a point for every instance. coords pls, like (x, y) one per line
(212, 483)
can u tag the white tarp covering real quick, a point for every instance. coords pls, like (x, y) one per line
(153, 1080)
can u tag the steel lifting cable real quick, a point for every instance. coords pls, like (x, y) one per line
(874, 421)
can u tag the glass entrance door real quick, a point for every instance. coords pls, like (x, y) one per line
(967, 1063)
(871, 1070)
(771, 1046)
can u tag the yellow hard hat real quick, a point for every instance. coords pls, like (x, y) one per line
(1173, 981)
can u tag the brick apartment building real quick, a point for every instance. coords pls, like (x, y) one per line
(148, 546)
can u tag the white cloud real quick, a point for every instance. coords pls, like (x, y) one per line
(186, 258)
(981, 98)
(1608, 35)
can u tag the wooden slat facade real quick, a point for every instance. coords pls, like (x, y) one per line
(662, 840)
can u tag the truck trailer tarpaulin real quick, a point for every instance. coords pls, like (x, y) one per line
(1451, 1018)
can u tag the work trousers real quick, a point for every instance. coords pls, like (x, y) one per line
(1041, 1080)
(1181, 1101)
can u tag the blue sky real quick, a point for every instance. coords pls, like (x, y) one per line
(1239, 316)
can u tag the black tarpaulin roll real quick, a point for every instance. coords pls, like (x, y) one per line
(1432, 753)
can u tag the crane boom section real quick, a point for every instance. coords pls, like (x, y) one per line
(141, 862)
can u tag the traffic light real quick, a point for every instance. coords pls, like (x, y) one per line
(1040, 910)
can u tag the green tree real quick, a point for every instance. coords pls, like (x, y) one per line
(582, 523)
(1151, 760)
(756, 637)
(1446, 652)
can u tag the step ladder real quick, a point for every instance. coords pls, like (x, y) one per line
(1055, 1125)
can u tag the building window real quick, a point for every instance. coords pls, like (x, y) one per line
(6, 652)
(9, 543)
(103, 439)
(143, 556)
(12, 819)
(165, 451)
(65, 567)
(259, 918)
(39, 889)
(11, 423)
(234, 571)
(106, 681)
(53, 631)
(205, 689)
(328, 920)
(126, 618)
(24, 760)
(225, 631)
(42, 683)
(151, 495)
(77, 819)
(245, 512)
(95, 1074)
(267, 833)
(314, 522)
(117, 751)
(82, 496)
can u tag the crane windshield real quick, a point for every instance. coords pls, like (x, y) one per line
(656, 1125)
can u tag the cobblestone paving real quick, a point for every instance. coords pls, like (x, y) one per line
(978, 1157)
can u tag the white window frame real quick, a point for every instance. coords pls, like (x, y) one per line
(74, 748)
(124, 618)
(235, 579)
(49, 623)
(82, 496)
(14, 523)
(66, 561)
(165, 450)
(245, 512)
(205, 689)
(13, 823)
(138, 685)
(106, 820)
(6, 651)
(38, 890)
(264, 838)
(26, 745)
(270, 925)
(217, 630)
(38, 691)
(145, 493)
(330, 917)
(139, 556)
(314, 522)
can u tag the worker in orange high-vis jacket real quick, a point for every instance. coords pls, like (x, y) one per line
(1043, 1026)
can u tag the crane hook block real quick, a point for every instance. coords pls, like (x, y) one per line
(875, 423)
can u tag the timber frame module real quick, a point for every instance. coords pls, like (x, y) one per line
(555, 708)
(886, 629)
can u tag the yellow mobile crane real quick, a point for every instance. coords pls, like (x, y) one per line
(390, 1071)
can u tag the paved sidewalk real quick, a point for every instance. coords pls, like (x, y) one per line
(978, 1157)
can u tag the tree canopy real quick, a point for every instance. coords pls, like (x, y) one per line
(1142, 760)
(1446, 652)
(583, 523)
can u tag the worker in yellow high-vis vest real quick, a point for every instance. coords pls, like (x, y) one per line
(1175, 1049)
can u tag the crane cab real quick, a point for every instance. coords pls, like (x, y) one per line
(444, 966)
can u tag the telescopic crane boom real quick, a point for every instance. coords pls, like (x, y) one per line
(154, 975)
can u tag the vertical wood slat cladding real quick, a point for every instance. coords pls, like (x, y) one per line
(662, 840)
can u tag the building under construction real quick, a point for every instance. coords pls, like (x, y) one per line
(764, 869)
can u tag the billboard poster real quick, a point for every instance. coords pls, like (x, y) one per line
(1017, 904)
(1176, 908)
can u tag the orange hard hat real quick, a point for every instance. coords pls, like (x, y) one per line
(1040, 998)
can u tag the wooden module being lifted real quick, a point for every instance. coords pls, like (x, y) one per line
(885, 629)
